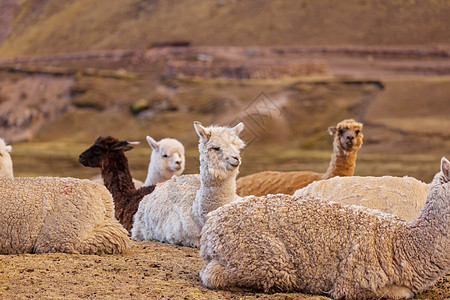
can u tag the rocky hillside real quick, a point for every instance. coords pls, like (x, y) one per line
(54, 26)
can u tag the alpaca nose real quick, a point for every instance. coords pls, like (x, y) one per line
(178, 162)
(82, 159)
(350, 138)
(235, 161)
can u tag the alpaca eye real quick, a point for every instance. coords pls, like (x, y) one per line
(165, 155)
(357, 132)
(341, 131)
(216, 148)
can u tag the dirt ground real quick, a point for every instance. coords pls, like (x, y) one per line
(153, 270)
(148, 270)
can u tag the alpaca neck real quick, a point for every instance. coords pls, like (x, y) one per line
(342, 163)
(117, 177)
(213, 193)
(157, 171)
(153, 176)
(6, 169)
(425, 240)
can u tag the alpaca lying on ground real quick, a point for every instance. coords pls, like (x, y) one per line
(167, 159)
(6, 165)
(176, 211)
(108, 154)
(403, 197)
(284, 243)
(348, 139)
(51, 214)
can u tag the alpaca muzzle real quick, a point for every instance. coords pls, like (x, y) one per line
(234, 161)
(83, 160)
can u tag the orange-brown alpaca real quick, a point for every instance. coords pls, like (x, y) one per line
(348, 138)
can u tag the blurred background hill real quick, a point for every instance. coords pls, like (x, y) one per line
(46, 26)
(73, 70)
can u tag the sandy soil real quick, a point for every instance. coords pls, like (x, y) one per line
(148, 270)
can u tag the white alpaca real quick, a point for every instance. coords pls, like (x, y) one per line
(403, 197)
(176, 210)
(6, 165)
(54, 214)
(287, 243)
(167, 159)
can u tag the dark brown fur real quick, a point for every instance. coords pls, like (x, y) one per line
(108, 154)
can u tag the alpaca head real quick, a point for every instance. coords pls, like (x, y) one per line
(167, 156)
(347, 135)
(445, 169)
(439, 193)
(102, 148)
(6, 167)
(219, 149)
(442, 178)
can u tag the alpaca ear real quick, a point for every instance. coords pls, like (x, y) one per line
(332, 130)
(238, 128)
(445, 168)
(152, 143)
(202, 132)
(8, 148)
(122, 145)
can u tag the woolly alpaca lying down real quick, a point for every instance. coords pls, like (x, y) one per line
(347, 139)
(403, 197)
(284, 243)
(51, 214)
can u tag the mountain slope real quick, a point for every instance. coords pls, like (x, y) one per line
(53, 26)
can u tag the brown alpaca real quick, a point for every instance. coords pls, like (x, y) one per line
(108, 154)
(347, 140)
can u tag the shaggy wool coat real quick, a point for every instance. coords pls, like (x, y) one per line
(50, 214)
(400, 196)
(285, 243)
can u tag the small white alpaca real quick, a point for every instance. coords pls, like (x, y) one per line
(6, 165)
(287, 243)
(167, 159)
(176, 210)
